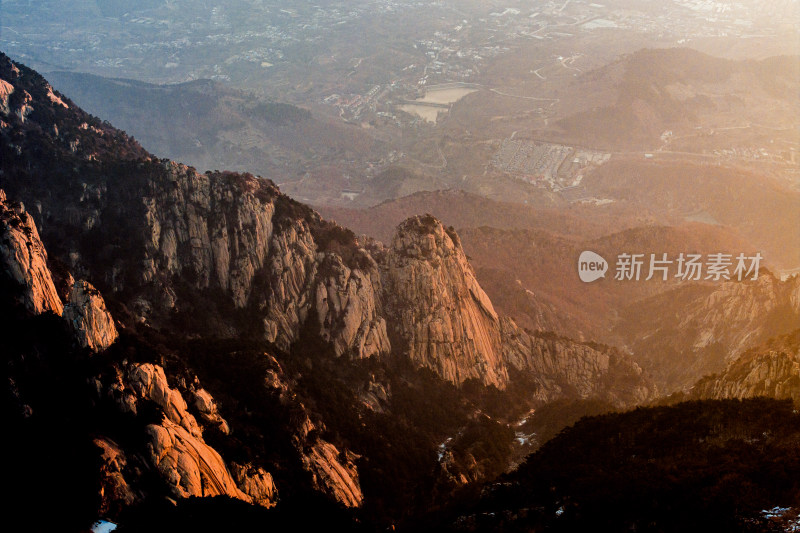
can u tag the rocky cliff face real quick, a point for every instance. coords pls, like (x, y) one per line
(737, 314)
(88, 317)
(226, 232)
(228, 254)
(115, 492)
(709, 326)
(772, 370)
(332, 472)
(441, 313)
(25, 259)
(207, 228)
(348, 306)
(562, 367)
(256, 483)
(175, 446)
(450, 326)
(177, 230)
(332, 475)
(215, 268)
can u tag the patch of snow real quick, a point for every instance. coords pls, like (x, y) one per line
(775, 512)
(103, 526)
(792, 523)
(525, 418)
(524, 439)
(443, 448)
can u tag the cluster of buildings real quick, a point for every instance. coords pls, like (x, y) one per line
(554, 166)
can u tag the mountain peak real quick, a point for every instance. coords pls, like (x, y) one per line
(425, 236)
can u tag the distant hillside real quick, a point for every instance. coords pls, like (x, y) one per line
(211, 126)
(332, 184)
(692, 331)
(675, 89)
(462, 209)
(524, 271)
(760, 208)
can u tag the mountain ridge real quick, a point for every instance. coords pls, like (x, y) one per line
(221, 270)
